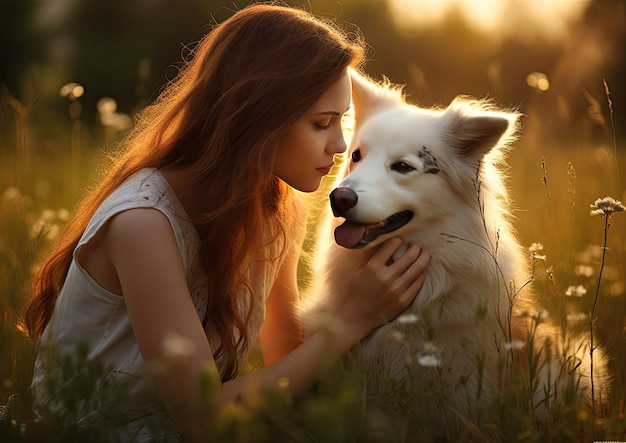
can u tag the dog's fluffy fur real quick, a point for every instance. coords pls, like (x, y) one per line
(445, 166)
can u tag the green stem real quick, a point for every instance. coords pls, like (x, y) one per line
(606, 233)
(593, 311)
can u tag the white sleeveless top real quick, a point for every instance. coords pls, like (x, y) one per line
(86, 312)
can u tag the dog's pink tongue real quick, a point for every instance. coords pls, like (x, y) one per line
(349, 234)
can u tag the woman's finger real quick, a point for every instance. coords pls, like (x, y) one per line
(415, 275)
(386, 251)
(404, 256)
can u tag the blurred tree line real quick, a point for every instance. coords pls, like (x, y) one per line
(127, 49)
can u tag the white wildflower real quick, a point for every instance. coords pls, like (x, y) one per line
(575, 291)
(176, 346)
(63, 214)
(48, 215)
(12, 194)
(583, 270)
(577, 317)
(429, 361)
(542, 314)
(515, 345)
(534, 250)
(42, 228)
(407, 319)
(606, 206)
(589, 254)
(71, 91)
(44, 225)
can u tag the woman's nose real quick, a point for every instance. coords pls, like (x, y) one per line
(338, 145)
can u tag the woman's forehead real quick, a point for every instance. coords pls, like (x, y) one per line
(336, 99)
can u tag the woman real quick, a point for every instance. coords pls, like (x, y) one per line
(194, 234)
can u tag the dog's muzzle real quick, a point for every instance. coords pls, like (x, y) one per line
(352, 234)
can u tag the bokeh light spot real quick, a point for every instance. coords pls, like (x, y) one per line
(538, 81)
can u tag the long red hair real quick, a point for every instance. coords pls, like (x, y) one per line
(221, 118)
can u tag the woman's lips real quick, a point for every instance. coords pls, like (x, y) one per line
(325, 170)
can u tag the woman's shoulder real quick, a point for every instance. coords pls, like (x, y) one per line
(141, 229)
(146, 188)
(141, 218)
(145, 184)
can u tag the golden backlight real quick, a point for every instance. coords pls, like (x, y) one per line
(524, 18)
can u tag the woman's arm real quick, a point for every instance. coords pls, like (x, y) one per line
(142, 248)
(281, 332)
(377, 294)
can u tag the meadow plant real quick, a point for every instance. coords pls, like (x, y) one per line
(72, 92)
(604, 207)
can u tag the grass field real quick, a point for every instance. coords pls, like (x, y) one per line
(581, 269)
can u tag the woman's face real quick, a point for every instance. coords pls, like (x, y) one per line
(306, 148)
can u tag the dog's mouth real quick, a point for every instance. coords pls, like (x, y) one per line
(353, 235)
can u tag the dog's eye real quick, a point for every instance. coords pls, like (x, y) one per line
(356, 156)
(402, 167)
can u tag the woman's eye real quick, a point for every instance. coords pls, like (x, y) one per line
(323, 126)
(402, 167)
(356, 156)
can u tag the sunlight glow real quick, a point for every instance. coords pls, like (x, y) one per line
(538, 81)
(522, 18)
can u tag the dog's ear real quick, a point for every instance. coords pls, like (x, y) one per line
(475, 129)
(370, 97)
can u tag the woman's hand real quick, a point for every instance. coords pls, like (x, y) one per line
(384, 287)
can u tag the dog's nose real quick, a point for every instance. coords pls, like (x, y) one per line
(342, 200)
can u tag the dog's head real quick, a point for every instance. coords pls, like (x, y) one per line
(407, 166)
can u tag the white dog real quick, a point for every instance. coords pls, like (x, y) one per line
(436, 177)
